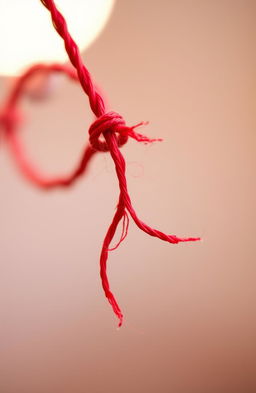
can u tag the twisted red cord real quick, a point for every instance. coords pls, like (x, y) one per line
(111, 126)
(60, 25)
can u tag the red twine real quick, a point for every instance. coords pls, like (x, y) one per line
(108, 133)
(10, 119)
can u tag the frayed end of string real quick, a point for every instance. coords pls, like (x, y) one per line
(175, 240)
(140, 137)
(120, 323)
(115, 308)
(192, 239)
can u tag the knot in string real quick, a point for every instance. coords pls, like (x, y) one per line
(108, 132)
(109, 122)
(114, 123)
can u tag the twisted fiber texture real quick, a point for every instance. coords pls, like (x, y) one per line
(112, 127)
(108, 133)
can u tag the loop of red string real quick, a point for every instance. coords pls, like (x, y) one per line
(107, 133)
(10, 119)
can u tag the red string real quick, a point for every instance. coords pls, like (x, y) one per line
(108, 133)
(10, 119)
(124, 233)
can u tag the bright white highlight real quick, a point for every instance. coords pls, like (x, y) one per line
(27, 35)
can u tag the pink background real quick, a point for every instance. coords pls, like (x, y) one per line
(189, 68)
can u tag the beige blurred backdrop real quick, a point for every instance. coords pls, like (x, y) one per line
(189, 68)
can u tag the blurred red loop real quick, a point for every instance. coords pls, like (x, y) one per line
(10, 119)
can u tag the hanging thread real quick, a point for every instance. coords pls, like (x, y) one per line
(108, 133)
